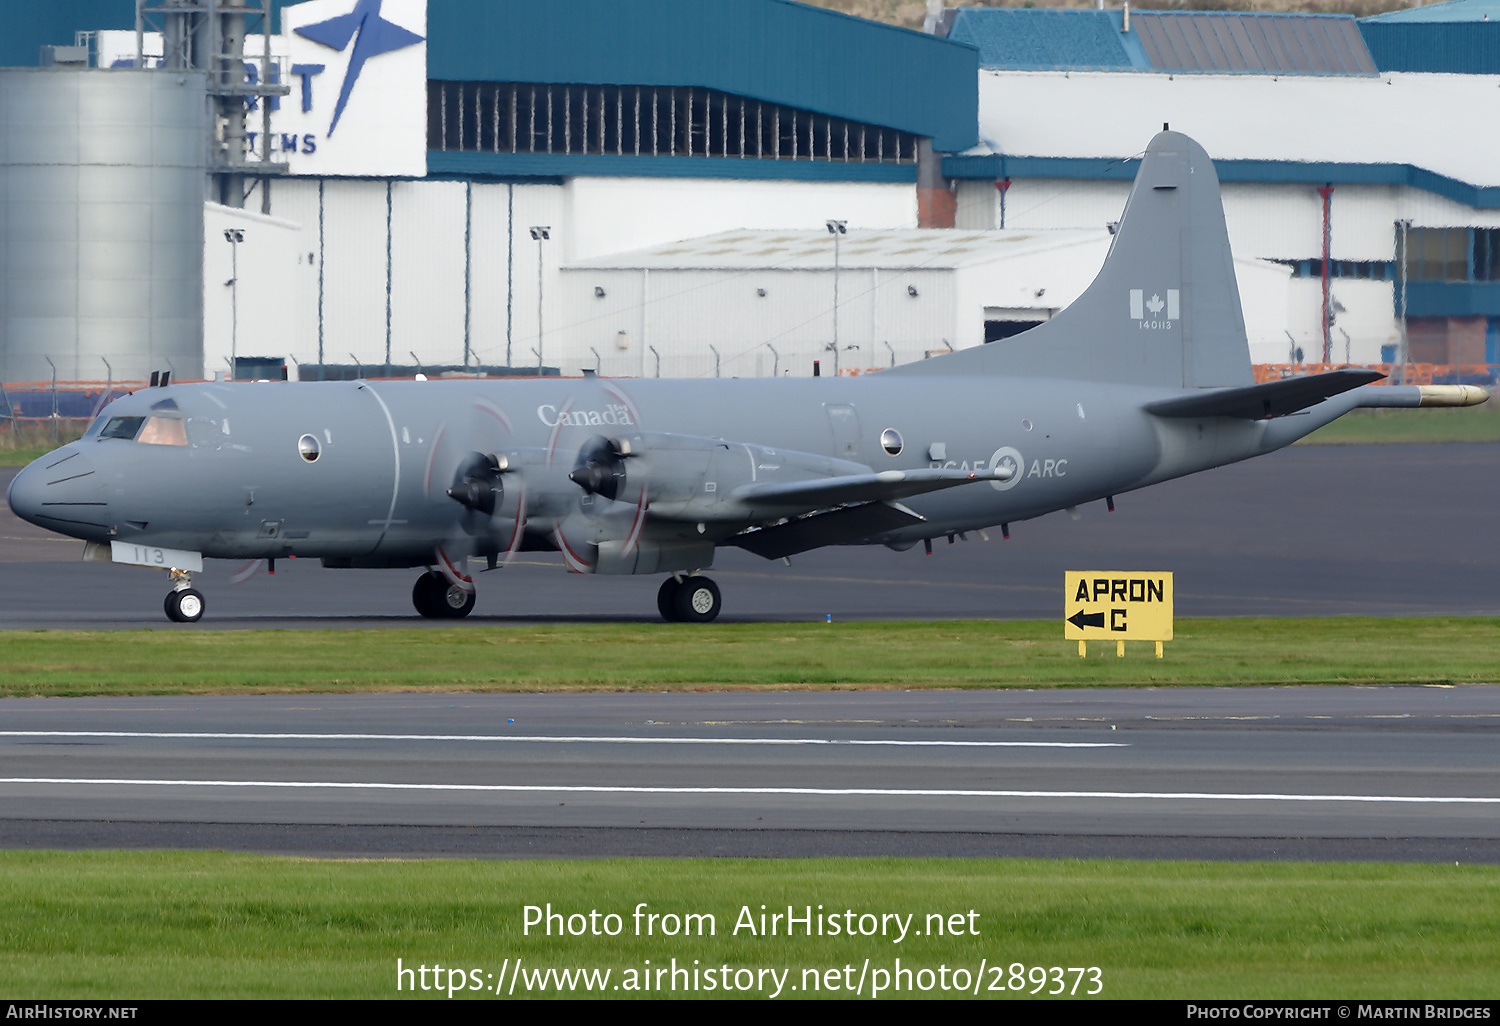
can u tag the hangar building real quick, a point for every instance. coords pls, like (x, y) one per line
(1335, 140)
(677, 187)
(401, 234)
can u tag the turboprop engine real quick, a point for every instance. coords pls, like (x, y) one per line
(696, 479)
(694, 488)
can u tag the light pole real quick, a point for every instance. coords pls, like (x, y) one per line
(1402, 264)
(541, 233)
(234, 236)
(109, 386)
(836, 229)
(54, 395)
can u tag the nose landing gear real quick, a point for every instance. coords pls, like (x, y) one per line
(690, 599)
(184, 603)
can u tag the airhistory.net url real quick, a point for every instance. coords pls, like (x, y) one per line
(694, 978)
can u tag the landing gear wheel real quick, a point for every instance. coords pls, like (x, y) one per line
(185, 606)
(666, 600)
(436, 598)
(424, 597)
(697, 600)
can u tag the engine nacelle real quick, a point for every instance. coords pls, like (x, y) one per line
(691, 478)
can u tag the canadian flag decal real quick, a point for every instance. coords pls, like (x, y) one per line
(1151, 308)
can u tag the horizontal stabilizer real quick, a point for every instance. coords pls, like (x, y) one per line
(888, 485)
(839, 527)
(1271, 399)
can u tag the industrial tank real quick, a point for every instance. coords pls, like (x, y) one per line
(102, 183)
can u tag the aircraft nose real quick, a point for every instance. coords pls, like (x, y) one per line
(62, 493)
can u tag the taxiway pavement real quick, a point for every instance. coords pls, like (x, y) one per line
(1408, 773)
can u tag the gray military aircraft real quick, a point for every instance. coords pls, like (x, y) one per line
(1145, 378)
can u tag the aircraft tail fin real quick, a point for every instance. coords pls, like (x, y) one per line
(1165, 307)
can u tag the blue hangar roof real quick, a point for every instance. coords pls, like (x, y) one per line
(770, 50)
(1046, 40)
(1453, 10)
(775, 51)
(30, 25)
(1459, 37)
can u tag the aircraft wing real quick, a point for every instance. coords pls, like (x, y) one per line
(845, 509)
(1261, 402)
(838, 527)
(886, 486)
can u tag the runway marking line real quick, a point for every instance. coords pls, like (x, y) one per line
(875, 792)
(570, 739)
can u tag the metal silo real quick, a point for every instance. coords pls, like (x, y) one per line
(102, 180)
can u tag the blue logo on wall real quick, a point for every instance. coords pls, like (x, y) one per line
(372, 36)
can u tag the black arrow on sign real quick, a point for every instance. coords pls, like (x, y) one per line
(1081, 620)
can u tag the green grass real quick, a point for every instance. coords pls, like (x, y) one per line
(212, 925)
(680, 657)
(1363, 427)
(21, 457)
(19, 445)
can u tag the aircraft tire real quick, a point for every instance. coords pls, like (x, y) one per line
(184, 606)
(425, 595)
(666, 600)
(697, 600)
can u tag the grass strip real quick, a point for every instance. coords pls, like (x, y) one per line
(1366, 427)
(966, 654)
(215, 925)
(21, 457)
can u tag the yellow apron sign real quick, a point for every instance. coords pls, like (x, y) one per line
(1113, 605)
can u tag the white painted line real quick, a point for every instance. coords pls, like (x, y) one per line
(878, 792)
(575, 739)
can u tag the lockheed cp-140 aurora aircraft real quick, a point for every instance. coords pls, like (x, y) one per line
(1145, 378)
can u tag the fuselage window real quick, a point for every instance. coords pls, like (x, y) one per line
(164, 431)
(122, 427)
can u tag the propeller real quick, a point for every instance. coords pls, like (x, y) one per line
(478, 484)
(600, 467)
(482, 521)
(609, 513)
(247, 570)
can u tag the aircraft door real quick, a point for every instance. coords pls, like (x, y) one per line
(843, 421)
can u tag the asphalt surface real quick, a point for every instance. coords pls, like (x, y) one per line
(1299, 773)
(1408, 773)
(1308, 531)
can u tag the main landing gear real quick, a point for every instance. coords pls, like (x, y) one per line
(690, 599)
(437, 598)
(184, 603)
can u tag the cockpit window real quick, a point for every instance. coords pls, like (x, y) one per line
(122, 427)
(164, 431)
